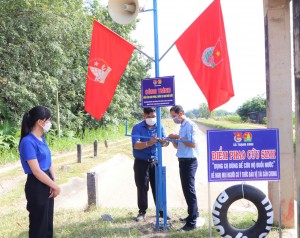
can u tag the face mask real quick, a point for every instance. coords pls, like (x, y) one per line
(150, 121)
(176, 120)
(47, 127)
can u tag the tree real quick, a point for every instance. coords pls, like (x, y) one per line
(196, 113)
(190, 114)
(204, 111)
(221, 113)
(165, 112)
(254, 105)
(44, 48)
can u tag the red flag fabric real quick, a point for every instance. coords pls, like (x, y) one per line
(203, 48)
(109, 56)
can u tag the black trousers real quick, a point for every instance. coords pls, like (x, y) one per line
(144, 172)
(187, 171)
(40, 208)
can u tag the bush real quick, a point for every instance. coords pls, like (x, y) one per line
(236, 119)
(255, 105)
(8, 136)
(231, 118)
(264, 121)
(67, 141)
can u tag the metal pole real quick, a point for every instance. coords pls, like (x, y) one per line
(159, 197)
(164, 194)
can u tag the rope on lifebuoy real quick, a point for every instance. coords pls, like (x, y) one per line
(265, 218)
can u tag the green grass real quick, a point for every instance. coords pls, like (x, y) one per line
(68, 142)
(231, 118)
(224, 124)
(101, 134)
(88, 223)
(72, 224)
(8, 156)
(67, 167)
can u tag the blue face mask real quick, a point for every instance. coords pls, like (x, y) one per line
(176, 120)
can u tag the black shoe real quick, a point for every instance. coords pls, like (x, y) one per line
(184, 219)
(187, 227)
(140, 216)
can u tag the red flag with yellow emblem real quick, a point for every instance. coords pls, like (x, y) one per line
(109, 56)
(203, 48)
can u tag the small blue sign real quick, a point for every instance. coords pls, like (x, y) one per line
(243, 155)
(158, 92)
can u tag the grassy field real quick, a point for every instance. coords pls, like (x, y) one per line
(224, 124)
(88, 222)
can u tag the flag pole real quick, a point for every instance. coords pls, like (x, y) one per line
(160, 171)
(160, 177)
(142, 52)
(166, 52)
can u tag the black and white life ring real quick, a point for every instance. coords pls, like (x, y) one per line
(264, 207)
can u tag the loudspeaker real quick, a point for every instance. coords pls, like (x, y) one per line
(123, 11)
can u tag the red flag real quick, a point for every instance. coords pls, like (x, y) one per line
(203, 48)
(109, 56)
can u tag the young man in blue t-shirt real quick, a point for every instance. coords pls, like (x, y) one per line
(144, 146)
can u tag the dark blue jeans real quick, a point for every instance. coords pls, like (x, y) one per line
(187, 171)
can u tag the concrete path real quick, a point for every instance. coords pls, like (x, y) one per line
(116, 187)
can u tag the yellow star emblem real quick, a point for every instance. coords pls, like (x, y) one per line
(218, 53)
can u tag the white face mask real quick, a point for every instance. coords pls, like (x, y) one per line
(47, 126)
(150, 121)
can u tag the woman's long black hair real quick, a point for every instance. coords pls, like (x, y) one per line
(31, 117)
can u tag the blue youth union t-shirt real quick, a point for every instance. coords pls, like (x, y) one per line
(32, 148)
(141, 132)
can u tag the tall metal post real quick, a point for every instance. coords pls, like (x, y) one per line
(160, 192)
(160, 171)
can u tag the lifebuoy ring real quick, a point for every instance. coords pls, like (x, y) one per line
(265, 217)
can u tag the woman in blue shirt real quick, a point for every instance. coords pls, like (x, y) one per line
(41, 187)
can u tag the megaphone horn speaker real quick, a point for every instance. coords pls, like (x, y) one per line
(123, 11)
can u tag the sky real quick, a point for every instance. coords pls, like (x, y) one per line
(244, 27)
